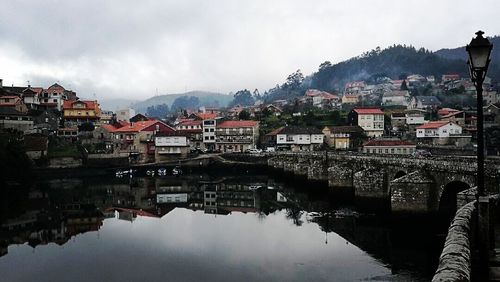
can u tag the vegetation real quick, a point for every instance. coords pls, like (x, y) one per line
(242, 98)
(15, 164)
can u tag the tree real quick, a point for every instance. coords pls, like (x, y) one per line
(185, 102)
(256, 94)
(86, 126)
(325, 65)
(242, 98)
(157, 110)
(404, 86)
(244, 115)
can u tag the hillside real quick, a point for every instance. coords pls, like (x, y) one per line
(115, 104)
(206, 99)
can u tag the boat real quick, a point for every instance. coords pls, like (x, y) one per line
(150, 172)
(162, 171)
(254, 187)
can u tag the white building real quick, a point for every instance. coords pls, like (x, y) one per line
(299, 138)
(209, 126)
(438, 129)
(171, 144)
(125, 114)
(396, 98)
(370, 119)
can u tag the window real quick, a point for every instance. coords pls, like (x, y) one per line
(55, 100)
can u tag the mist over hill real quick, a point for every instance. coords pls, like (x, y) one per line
(206, 99)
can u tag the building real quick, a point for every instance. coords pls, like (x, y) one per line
(193, 130)
(442, 133)
(31, 96)
(53, 97)
(322, 99)
(343, 137)
(398, 121)
(296, 138)
(171, 145)
(137, 138)
(13, 119)
(389, 147)
(125, 114)
(350, 99)
(237, 135)
(370, 119)
(13, 102)
(78, 112)
(396, 98)
(36, 146)
(424, 102)
(209, 126)
(449, 77)
(457, 117)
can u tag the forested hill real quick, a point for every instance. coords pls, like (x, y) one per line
(393, 62)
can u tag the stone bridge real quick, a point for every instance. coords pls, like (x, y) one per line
(413, 185)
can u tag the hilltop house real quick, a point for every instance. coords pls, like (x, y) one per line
(396, 98)
(424, 102)
(78, 112)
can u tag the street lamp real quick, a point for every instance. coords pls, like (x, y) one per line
(479, 51)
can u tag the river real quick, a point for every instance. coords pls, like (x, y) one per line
(204, 227)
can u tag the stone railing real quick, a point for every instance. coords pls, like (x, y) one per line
(456, 257)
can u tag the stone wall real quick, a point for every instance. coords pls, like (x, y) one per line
(413, 193)
(455, 260)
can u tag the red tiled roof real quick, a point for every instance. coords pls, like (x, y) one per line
(204, 116)
(369, 111)
(433, 124)
(446, 111)
(13, 103)
(136, 126)
(111, 127)
(88, 104)
(389, 143)
(237, 123)
(275, 132)
(189, 123)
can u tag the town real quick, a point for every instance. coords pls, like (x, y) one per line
(388, 116)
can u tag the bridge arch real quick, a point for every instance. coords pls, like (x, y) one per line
(399, 174)
(448, 198)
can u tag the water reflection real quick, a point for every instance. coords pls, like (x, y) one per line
(194, 228)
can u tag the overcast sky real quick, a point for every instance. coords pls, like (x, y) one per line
(128, 49)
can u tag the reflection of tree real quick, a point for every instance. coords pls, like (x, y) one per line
(295, 214)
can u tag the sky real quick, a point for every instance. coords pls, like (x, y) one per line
(135, 49)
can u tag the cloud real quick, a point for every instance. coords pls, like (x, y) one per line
(129, 48)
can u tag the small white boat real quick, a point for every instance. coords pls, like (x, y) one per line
(254, 187)
(150, 172)
(162, 171)
(176, 171)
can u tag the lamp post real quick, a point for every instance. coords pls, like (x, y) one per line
(479, 51)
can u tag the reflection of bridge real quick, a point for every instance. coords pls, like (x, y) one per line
(411, 184)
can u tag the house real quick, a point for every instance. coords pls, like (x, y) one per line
(31, 96)
(36, 146)
(322, 99)
(389, 147)
(396, 98)
(45, 121)
(449, 77)
(193, 130)
(491, 115)
(53, 97)
(13, 102)
(107, 117)
(350, 99)
(446, 111)
(269, 140)
(203, 116)
(457, 117)
(209, 126)
(237, 135)
(273, 109)
(343, 137)
(78, 112)
(170, 145)
(491, 97)
(424, 102)
(13, 119)
(138, 117)
(125, 114)
(370, 119)
(137, 138)
(398, 121)
(354, 87)
(441, 133)
(296, 138)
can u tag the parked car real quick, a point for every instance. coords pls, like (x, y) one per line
(422, 154)
(270, 149)
(254, 151)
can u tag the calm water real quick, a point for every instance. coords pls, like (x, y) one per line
(205, 229)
